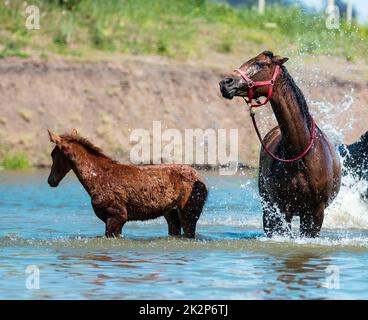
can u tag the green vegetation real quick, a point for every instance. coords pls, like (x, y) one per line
(180, 29)
(12, 49)
(15, 161)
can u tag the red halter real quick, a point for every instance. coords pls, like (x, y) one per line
(250, 85)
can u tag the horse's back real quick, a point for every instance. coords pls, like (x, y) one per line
(154, 189)
(182, 172)
(186, 180)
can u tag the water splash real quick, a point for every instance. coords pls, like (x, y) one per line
(328, 121)
(349, 210)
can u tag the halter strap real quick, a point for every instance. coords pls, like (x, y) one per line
(250, 85)
(270, 83)
(299, 157)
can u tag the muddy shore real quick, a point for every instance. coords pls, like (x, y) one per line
(106, 100)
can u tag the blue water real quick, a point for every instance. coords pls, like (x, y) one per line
(56, 231)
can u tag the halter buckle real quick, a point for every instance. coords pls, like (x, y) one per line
(250, 84)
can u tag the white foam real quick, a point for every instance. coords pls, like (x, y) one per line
(349, 210)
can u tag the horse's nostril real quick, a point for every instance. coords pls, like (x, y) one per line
(229, 81)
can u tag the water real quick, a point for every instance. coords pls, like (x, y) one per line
(57, 231)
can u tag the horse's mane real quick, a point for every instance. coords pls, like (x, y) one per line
(88, 145)
(290, 83)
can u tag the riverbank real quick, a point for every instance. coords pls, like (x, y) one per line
(106, 98)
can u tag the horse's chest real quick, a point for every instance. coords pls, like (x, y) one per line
(284, 185)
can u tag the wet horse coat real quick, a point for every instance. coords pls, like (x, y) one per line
(355, 157)
(355, 161)
(121, 193)
(304, 187)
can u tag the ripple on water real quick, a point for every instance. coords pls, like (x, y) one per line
(249, 241)
(229, 259)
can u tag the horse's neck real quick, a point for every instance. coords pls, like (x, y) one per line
(86, 167)
(291, 111)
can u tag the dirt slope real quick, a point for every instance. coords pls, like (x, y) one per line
(105, 100)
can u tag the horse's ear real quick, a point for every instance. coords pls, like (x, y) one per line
(74, 133)
(54, 137)
(280, 60)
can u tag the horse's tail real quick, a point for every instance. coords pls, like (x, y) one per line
(195, 191)
(199, 194)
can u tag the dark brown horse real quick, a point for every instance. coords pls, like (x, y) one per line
(355, 158)
(355, 161)
(304, 187)
(122, 193)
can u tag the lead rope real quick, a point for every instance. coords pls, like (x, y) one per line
(302, 155)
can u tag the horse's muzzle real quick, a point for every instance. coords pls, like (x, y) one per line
(229, 87)
(51, 181)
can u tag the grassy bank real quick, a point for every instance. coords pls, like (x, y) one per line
(180, 29)
(15, 161)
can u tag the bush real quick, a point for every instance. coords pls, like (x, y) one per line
(16, 161)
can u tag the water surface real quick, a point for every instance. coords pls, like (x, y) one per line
(57, 231)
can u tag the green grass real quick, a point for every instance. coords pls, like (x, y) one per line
(13, 50)
(180, 29)
(15, 161)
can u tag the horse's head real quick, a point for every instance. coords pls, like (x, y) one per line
(60, 163)
(260, 68)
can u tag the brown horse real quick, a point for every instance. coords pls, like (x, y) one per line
(304, 187)
(122, 193)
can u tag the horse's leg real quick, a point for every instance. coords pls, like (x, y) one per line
(274, 222)
(113, 228)
(311, 222)
(188, 222)
(192, 210)
(173, 222)
(268, 222)
(115, 222)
